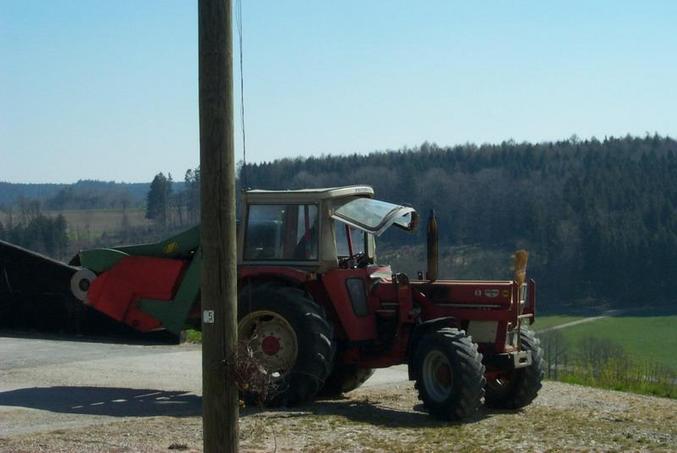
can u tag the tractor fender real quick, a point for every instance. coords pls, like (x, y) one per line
(420, 330)
(287, 275)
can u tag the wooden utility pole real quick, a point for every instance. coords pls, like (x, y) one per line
(217, 231)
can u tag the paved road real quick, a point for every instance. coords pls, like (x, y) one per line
(56, 384)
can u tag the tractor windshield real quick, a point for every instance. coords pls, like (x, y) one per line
(375, 216)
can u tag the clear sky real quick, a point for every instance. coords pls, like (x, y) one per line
(108, 89)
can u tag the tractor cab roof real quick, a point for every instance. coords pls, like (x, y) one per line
(352, 205)
(307, 195)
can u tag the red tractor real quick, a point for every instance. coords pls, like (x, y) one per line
(319, 312)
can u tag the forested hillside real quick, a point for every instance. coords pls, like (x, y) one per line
(598, 216)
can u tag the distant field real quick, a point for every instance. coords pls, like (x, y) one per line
(652, 338)
(97, 221)
(94, 222)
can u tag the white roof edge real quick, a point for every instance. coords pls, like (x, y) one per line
(320, 193)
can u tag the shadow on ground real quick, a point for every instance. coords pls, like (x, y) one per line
(110, 401)
(116, 335)
(126, 402)
(365, 411)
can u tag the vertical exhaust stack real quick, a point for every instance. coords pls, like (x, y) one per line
(432, 247)
(521, 258)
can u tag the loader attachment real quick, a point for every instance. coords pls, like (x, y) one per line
(36, 296)
(148, 287)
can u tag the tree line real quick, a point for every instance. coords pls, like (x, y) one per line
(170, 208)
(84, 194)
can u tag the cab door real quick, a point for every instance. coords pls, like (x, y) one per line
(348, 290)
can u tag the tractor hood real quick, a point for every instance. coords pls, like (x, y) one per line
(375, 216)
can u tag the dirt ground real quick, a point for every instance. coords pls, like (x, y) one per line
(59, 395)
(389, 418)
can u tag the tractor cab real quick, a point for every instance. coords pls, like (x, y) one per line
(317, 229)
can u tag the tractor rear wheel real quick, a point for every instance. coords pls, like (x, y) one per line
(344, 379)
(520, 386)
(289, 337)
(449, 374)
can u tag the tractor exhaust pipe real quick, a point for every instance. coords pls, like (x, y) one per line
(432, 246)
(521, 257)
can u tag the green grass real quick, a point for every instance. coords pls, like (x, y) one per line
(644, 338)
(545, 322)
(627, 353)
(193, 336)
(662, 388)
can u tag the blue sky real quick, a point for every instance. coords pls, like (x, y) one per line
(108, 89)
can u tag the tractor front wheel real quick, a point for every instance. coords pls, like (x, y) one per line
(449, 374)
(519, 387)
(287, 335)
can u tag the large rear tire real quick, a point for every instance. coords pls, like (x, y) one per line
(289, 337)
(520, 386)
(344, 379)
(449, 374)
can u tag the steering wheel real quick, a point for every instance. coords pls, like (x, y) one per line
(358, 260)
(361, 260)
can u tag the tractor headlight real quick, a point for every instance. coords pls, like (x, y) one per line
(511, 338)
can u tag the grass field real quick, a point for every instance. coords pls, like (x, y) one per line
(94, 222)
(97, 221)
(644, 338)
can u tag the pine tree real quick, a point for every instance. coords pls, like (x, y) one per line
(157, 199)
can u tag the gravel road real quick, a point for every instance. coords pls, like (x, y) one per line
(50, 384)
(94, 396)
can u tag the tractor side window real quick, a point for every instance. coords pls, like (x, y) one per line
(282, 232)
(342, 239)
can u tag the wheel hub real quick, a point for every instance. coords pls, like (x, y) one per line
(271, 339)
(270, 345)
(443, 375)
(437, 375)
